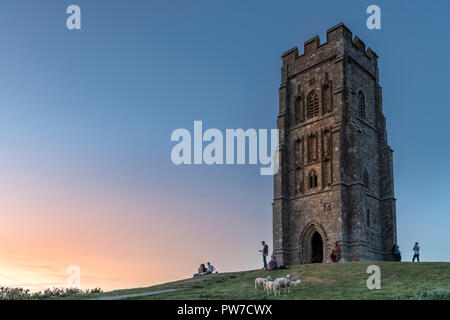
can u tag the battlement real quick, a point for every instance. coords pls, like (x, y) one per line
(334, 34)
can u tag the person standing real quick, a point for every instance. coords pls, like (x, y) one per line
(397, 254)
(265, 253)
(416, 250)
(335, 253)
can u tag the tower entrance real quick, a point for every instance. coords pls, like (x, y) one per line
(312, 244)
(316, 248)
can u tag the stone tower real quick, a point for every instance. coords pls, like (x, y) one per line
(335, 182)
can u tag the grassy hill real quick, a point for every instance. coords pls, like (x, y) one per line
(319, 281)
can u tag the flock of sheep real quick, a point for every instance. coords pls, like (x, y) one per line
(276, 285)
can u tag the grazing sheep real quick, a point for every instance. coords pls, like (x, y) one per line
(284, 283)
(261, 281)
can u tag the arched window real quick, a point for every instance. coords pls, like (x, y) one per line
(298, 110)
(368, 217)
(361, 104)
(313, 105)
(366, 178)
(312, 179)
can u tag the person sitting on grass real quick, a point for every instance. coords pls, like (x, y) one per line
(273, 264)
(210, 268)
(201, 270)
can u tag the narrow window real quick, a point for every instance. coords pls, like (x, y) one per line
(313, 105)
(312, 148)
(312, 179)
(361, 105)
(366, 179)
(326, 99)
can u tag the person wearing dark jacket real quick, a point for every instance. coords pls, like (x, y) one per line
(396, 253)
(265, 253)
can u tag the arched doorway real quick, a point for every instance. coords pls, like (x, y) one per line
(312, 243)
(317, 248)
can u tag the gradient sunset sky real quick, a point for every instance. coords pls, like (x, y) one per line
(86, 118)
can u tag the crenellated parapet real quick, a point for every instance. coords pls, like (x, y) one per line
(339, 41)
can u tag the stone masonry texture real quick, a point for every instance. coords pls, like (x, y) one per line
(336, 173)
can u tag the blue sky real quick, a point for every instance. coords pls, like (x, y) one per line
(96, 107)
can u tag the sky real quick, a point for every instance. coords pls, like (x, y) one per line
(86, 118)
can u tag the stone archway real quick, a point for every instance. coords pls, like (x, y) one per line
(312, 244)
(317, 248)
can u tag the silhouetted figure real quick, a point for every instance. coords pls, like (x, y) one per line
(416, 250)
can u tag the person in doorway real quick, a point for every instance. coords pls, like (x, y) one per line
(265, 253)
(416, 250)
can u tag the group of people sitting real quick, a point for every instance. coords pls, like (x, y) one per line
(203, 270)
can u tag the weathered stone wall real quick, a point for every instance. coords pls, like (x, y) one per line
(334, 158)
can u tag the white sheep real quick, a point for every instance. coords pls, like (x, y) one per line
(268, 286)
(296, 283)
(276, 288)
(261, 281)
(284, 283)
(272, 286)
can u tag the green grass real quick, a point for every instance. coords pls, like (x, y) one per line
(319, 281)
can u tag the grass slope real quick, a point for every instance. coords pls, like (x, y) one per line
(319, 281)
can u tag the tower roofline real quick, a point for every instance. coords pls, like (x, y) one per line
(335, 33)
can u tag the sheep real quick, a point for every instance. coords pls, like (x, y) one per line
(272, 286)
(296, 283)
(261, 282)
(284, 283)
(268, 286)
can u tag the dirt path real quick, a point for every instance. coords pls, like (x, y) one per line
(124, 296)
